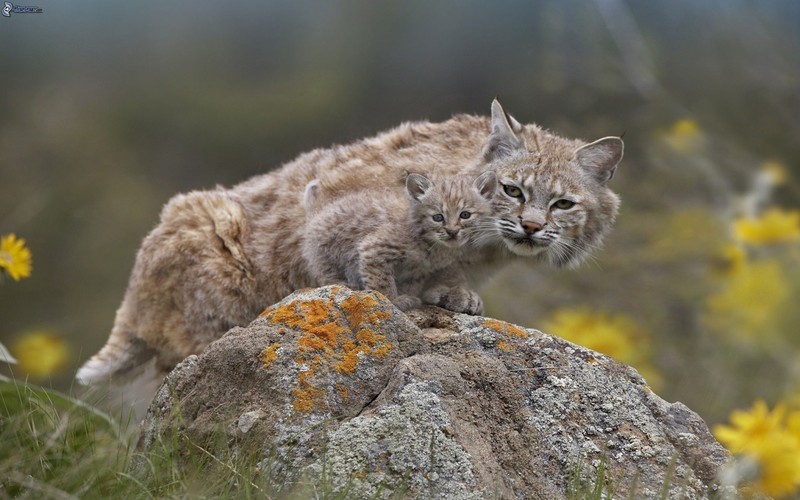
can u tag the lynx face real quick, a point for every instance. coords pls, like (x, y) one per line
(553, 209)
(454, 212)
(554, 205)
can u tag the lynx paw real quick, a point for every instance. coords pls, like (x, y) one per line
(407, 302)
(456, 299)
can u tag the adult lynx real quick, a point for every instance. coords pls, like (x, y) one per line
(218, 258)
(400, 243)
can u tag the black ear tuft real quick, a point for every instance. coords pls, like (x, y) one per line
(503, 140)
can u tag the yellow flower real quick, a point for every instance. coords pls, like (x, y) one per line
(684, 135)
(771, 440)
(615, 335)
(40, 353)
(776, 171)
(730, 260)
(750, 301)
(774, 226)
(779, 465)
(15, 258)
(750, 427)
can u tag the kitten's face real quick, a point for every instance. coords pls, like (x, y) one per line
(453, 212)
(553, 206)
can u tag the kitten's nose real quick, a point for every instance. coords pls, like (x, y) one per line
(451, 232)
(530, 227)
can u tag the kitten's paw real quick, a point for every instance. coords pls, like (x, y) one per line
(456, 299)
(407, 302)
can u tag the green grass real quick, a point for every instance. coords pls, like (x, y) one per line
(55, 446)
(580, 487)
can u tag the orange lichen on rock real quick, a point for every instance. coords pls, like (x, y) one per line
(516, 331)
(495, 325)
(349, 361)
(508, 330)
(344, 393)
(360, 310)
(339, 336)
(269, 354)
(306, 397)
(382, 350)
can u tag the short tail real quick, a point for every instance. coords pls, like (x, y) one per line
(123, 356)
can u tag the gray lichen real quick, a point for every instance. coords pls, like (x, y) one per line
(402, 446)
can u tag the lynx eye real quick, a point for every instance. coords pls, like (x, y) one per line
(564, 204)
(438, 217)
(465, 214)
(512, 191)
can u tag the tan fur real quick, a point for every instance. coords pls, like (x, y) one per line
(217, 258)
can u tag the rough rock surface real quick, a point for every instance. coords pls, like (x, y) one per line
(430, 404)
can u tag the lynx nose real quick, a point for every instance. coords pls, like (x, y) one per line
(453, 233)
(530, 227)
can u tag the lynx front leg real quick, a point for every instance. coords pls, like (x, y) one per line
(449, 289)
(327, 273)
(376, 269)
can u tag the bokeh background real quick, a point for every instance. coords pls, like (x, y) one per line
(109, 109)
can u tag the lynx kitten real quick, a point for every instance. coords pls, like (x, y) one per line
(398, 244)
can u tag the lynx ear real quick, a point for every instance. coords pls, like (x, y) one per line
(486, 184)
(601, 157)
(417, 185)
(503, 140)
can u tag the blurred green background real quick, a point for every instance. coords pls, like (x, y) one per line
(109, 109)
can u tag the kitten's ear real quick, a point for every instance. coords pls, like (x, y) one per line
(504, 138)
(417, 185)
(486, 184)
(601, 157)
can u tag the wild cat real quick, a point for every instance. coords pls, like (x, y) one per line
(218, 258)
(399, 243)
(554, 202)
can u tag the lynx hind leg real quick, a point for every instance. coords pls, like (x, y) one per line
(122, 358)
(454, 298)
(196, 276)
(191, 282)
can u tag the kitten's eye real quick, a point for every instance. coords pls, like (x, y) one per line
(512, 191)
(564, 204)
(465, 214)
(438, 217)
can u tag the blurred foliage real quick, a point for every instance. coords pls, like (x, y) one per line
(110, 109)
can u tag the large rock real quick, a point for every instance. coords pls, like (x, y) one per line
(336, 383)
